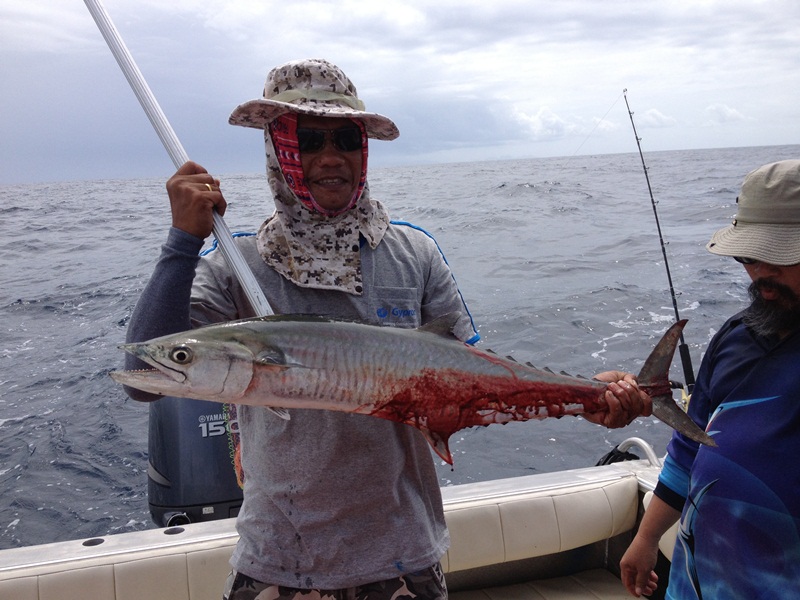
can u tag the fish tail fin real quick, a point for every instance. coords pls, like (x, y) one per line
(654, 379)
(439, 443)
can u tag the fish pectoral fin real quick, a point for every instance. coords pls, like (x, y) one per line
(280, 412)
(439, 444)
(270, 358)
(273, 358)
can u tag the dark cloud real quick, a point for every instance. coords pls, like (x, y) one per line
(506, 78)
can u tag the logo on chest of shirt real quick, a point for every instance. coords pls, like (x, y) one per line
(396, 312)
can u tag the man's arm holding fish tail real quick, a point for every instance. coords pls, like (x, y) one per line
(625, 400)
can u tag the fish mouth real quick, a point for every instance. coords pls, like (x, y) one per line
(159, 373)
(145, 380)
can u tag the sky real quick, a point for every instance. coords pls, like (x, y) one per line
(464, 80)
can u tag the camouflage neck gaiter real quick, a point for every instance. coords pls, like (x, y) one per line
(314, 250)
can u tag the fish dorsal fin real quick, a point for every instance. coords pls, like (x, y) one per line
(442, 325)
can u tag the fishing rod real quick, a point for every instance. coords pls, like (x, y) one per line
(686, 359)
(174, 148)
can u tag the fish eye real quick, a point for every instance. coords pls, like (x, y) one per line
(181, 355)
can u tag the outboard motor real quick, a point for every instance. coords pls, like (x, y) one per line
(191, 475)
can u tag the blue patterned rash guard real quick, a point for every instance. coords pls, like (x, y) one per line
(739, 535)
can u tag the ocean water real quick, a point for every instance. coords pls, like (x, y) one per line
(559, 260)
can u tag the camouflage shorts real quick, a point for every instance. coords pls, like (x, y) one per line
(423, 585)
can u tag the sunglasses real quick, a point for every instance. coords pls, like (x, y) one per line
(751, 261)
(346, 139)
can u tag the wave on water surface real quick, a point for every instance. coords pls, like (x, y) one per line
(558, 259)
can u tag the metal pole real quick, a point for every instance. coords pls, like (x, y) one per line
(176, 152)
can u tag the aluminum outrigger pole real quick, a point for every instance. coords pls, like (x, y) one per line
(172, 144)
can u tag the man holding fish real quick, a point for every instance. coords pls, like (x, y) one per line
(335, 503)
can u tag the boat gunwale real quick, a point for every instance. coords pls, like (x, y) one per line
(210, 535)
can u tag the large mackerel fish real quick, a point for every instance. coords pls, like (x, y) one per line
(421, 377)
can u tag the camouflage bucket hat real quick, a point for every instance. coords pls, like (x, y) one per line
(767, 222)
(311, 87)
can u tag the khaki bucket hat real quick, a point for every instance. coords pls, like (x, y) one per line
(312, 87)
(767, 222)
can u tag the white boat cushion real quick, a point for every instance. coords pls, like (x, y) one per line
(490, 523)
(499, 529)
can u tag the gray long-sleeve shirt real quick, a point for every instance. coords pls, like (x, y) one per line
(331, 500)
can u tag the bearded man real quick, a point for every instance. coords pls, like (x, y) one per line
(739, 504)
